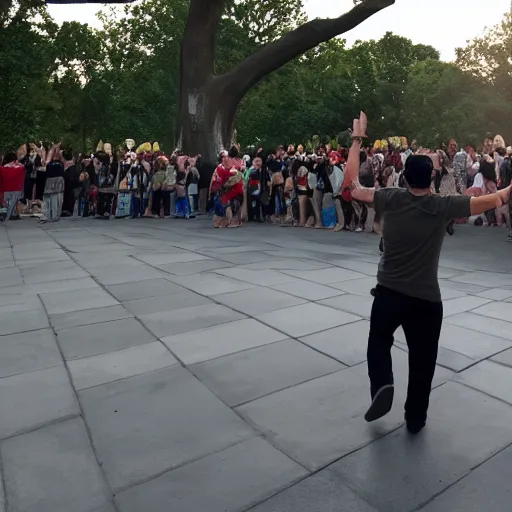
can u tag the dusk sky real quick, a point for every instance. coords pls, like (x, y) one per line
(444, 24)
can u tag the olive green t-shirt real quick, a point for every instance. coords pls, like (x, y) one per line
(413, 231)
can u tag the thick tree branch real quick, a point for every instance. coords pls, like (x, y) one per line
(297, 42)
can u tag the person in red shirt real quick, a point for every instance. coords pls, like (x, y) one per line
(12, 181)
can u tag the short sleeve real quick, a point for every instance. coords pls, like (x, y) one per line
(381, 199)
(457, 207)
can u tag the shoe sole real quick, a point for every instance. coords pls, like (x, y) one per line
(382, 403)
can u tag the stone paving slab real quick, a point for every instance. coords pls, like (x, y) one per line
(504, 358)
(489, 377)
(54, 470)
(306, 319)
(347, 343)
(182, 320)
(96, 370)
(467, 342)
(487, 488)
(10, 277)
(250, 374)
(67, 302)
(221, 340)
(487, 279)
(210, 284)
(12, 322)
(322, 420)
(147, 424)
(163, 303)
(308, 290)
(132, 274)
(463, 287)
(322, 492)
(286, 264)
(363, 267)
(91, 340)
(257, 277)
(495, 294)
(497, 310)
(464, 429)
(356, 304)
(88, 317)
(494, 327)
(356, 286)
(30, 400)
(25, 352)
(256, 301)
(143, 290)
(174, 256)
(194, 267)
(326, 275)
(232, 480)
(52, 271)
(461, 304)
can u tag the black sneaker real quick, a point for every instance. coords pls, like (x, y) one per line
(414, 426)
(381, 404)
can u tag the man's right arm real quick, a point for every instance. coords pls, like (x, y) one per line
(481, 204)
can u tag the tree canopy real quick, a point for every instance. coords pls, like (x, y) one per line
(78, 84)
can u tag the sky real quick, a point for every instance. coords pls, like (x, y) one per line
(444, 24)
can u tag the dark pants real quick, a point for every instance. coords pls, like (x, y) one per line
(348, 212)
(161, 197)
(105, 203)
(421, 321)
(136, 206)
(253, 208)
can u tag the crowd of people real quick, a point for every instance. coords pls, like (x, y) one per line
(288, 187)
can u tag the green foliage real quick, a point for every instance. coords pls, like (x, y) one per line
(75, 83)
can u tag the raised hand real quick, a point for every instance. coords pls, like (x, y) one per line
(359, 126)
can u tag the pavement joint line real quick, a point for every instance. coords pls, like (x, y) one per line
(447, 320)
(3, 482)
(436, 495)
(40, 426)
(481, 392)
(123, 488)
(31, 371)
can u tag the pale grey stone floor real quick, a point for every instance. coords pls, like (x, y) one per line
(165, 366)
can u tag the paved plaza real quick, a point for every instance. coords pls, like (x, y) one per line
(163, 366)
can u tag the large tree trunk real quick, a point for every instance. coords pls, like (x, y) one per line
(204, 116)
(208, 102)
(207, 117)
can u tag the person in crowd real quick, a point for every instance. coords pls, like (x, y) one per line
(138, 186)
(105, 172)
(505, 181)
(72, 185)
(253, 178)
(161, 184)
(215, 191)
(193, 185)
(12, 181)
(485, 183)
(231, 174)
(54, 185)
(182, 210)
(124, 196)
(206, 170)
(276, 191)
(300, 170)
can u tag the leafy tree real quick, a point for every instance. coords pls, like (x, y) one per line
(441, 102)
